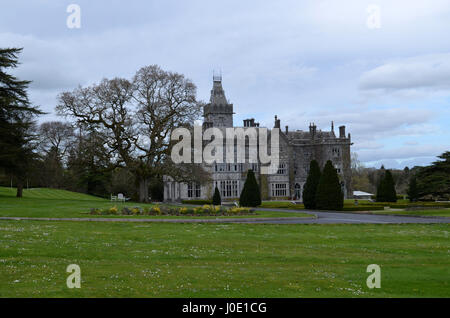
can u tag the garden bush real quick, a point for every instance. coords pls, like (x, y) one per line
(250, 195)
(216, 200)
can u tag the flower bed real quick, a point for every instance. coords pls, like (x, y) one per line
(206, 210)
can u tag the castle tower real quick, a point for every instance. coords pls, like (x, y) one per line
(218, 113)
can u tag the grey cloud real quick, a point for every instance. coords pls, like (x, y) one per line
(421, 72)
(370, 124)
(288, 58)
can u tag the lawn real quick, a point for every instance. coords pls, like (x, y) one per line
(65, 204)
(222, 260)
(431, 212)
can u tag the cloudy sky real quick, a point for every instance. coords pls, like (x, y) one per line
(305, 61)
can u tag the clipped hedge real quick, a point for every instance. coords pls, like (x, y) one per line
(281, 205)
(414, 204)
(362, 208)
(197, 202)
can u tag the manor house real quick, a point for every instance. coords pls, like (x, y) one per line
(297, 149)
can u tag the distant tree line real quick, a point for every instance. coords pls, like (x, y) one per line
(418, 183)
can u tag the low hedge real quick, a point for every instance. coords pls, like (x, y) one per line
(363, 208)
(281, 205)
(197, 202)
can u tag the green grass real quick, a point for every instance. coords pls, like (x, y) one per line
(432, 212)
(48, 194)
(222, 260)
(65, 204)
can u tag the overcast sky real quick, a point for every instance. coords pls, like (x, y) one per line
(305, 61)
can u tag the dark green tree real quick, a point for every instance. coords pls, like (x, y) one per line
(413, 192)
(329, 195)
(216, 200)
(434, 180)
(310, 188)
(386, 188)
(16, 121)
(250, 195)
(381, 190)
(389, 183)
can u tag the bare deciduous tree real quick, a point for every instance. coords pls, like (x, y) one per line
(136, 118)
(57, 137)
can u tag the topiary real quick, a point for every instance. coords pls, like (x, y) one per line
(216, 200)
(329, 195)
(413, 192)
(250, 195)
(391, 194)
(310, 188)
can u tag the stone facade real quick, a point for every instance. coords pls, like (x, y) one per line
(297, 149)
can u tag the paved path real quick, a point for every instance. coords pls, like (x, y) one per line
(352, 218)
(316, 218)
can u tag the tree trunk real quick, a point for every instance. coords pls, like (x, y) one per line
(19, 188)
(143, 189)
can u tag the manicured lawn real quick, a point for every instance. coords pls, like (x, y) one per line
(432, 212)
(65, 204)
(48, 194)
(222, 260)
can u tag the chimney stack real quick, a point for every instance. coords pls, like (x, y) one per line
(312, 129)
(277, 122)
(342, 132)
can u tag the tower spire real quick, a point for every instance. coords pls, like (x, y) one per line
(219, 112)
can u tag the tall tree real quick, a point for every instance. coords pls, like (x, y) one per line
(164, 101)
(16, 121)
(434, 180)
(136, 118)
(413, 192)
(56, 136)
(250, 195)
(329, 194)
(389, 183)
(310, 188)
(386, 188)
(55, 140)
